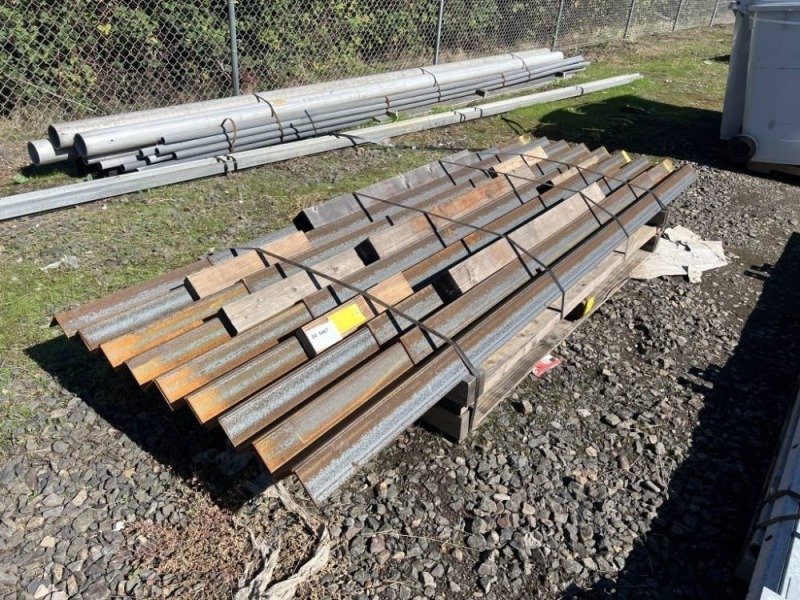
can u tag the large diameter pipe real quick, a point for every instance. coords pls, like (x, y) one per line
(244, 157)
(78, 193)
(445, 92)
(42, 152)
(62, 134)
(246, 151)
(321, 123)
(228, 126)
(124, 137)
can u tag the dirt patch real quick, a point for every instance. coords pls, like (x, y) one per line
(206, 554)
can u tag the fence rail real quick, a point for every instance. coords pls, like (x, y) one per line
(67, 60)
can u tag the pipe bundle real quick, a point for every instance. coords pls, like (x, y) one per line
(151, 139)
(322, 346)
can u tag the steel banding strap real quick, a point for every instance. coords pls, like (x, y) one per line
(231, 142)
(435, 82)
(780, 518)
(474, 371)
(581, 170)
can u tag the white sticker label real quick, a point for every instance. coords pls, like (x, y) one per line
(323, 336)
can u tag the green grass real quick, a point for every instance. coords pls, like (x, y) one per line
(133, 238)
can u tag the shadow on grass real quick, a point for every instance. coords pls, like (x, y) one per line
(639, 126)
(73, 168)
(642, 126)
(695, 542)
(202, 458)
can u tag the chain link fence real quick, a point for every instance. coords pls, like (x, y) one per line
(80, 58)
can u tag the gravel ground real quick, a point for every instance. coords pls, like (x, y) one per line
(630, 471)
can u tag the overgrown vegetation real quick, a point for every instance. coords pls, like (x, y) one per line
(87, 56)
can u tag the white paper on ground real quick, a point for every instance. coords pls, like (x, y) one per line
(682, 252)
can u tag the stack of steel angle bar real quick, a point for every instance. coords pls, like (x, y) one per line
(317, 345)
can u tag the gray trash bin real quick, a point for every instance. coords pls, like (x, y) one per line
(762, 101)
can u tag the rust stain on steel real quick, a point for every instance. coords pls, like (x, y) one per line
(246, 420)
(479, 218)
(210, 401)
(422, 272)
(150, 364)
(346, 205)
(345, 396)
(331, 296)
(472, 305)
(300, 429)
(349, 230)
(129, 345)
(387, 326)
(270, 275)
(185, 379)
(264, 278)
(111, 327)
(466, 309)
(322, 472)
(426, 270)
(338, 457)
(125, 299)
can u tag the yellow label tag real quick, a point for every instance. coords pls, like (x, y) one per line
(625, 156)
(668, 165)
(347, 318)
(525, 139)
(588, 306)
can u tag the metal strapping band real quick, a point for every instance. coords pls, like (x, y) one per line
(524, 155)
(524, 65)
(226, 160)
(357, 139)
(278, 122)
(499, 234)
(517, 248)
(780, 518)
(436, 83)
(473, 370)
(231, 142)
(581, 170)
(268, 103)
(310, 120)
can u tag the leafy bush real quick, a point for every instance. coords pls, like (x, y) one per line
(83, 57)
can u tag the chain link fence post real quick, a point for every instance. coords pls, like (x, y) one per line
(558, 24)
(630, 20)
(677, 16)
(714, 13)
(234, 46)
(439, 23)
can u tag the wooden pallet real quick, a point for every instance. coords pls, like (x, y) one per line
(459, 413)
(766, 168)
